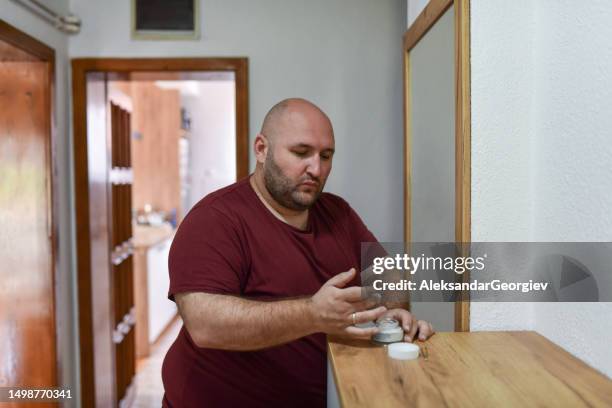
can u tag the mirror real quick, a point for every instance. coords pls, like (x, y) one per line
(437, 141)
(432, 197)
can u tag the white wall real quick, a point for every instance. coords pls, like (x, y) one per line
(573, 145)
(541, 152)
(65, 272)
(212, 141)
(502, 69)
(344, 55)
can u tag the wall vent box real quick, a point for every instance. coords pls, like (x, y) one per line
(165, 19)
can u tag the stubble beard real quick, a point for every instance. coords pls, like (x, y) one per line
(284, 191)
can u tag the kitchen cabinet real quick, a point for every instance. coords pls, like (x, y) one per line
(154, 312)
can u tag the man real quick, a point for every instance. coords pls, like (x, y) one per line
(261, 270)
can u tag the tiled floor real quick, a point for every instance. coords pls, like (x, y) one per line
(149, 386)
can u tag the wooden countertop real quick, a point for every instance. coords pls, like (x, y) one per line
(479, 369)
(146, 236)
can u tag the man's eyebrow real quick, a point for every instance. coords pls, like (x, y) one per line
(307, 146)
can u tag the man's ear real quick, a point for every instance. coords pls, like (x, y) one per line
(261, 146)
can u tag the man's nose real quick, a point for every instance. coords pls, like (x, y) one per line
(314, 166)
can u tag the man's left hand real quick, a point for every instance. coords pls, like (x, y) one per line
(413, 328)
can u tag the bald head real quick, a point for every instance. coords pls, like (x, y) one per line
(294, 152)
(291, 113)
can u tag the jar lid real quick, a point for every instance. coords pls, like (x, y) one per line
(403, 351)
(387, 323)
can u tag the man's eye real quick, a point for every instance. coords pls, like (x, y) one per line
(300, 153)
(326, 156)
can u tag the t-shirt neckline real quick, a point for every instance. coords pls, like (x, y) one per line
(262, 206)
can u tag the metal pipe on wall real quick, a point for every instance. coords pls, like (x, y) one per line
(68, 23)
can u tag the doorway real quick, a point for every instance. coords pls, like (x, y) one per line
(28, 354)
(133, 187)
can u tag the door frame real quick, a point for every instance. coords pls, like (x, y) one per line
(463, 213)
(46, 54)
(80, 68)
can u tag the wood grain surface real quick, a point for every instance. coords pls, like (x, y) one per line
(28, 241)
(27, 297)
(463, 151)
(482, 369)
(425, 20)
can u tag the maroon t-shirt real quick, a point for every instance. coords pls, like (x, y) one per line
(230, 243)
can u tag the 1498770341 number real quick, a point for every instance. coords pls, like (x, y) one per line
(8, 394)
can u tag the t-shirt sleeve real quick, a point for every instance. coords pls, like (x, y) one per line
(206, 255)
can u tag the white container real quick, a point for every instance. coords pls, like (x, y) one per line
(403, 351)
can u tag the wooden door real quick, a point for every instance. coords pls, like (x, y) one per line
(27, 310)
(122, 254)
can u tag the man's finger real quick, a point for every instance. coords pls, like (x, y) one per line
(341, 279)
(403, 316)
(414, 327)
(352, 294)
(359, 333)
(425, 330)
(364, 305)
(368, 315)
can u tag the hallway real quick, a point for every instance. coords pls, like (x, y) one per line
(453, 123)
(148, 381)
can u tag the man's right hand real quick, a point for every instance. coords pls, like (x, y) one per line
(333, 306)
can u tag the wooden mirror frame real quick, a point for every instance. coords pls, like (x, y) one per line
(426, 20)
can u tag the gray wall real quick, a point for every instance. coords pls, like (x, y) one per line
(344, 55)
(65, 271)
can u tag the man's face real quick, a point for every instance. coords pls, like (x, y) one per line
(299, 161)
